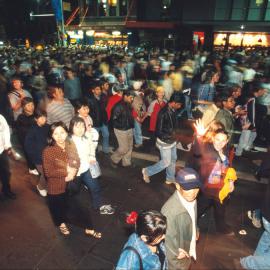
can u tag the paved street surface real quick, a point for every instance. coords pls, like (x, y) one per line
(29, 240)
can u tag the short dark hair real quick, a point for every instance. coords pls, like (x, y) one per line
(51, 90)
(39, 113)
(177, 97)
(152, 224)
(74, 121)
(26, 100)
(53, 127)
(80, 103)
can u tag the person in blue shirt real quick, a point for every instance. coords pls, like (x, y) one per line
(145, 248)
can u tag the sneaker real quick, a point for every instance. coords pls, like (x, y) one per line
(42, 192)
(256, 222)
(138, 145)
(145, 176)
(114, 165)
(106, 210)
(34, 172)
(254, 150)
(168, 182)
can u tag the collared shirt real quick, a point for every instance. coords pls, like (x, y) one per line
(4, 135)
(190, 207)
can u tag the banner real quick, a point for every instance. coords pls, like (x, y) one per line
(57, 8)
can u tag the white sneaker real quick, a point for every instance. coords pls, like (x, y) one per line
(42, 192)
(34, 172)
(146, 178)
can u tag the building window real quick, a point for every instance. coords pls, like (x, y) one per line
(102, 8)
(256, 9)
(122, 7)
(92, 10)
(112, 7)
(222, 10)
(239, 9)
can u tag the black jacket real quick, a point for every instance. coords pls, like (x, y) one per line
(166, 125)
(35, 142)
(122, 116)
(97, 111)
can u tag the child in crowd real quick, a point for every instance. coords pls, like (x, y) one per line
(35, 142)
(24, 122)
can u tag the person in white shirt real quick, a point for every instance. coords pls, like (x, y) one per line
(181, 213)
(5, 150)
(86, 144)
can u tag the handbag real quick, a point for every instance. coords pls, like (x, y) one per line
(74, 186)
(95, 170)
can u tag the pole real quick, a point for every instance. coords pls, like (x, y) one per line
(63, 25)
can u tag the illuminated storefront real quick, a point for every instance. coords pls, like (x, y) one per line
(98, 38)
(245, 39)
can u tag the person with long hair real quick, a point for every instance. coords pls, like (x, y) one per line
(210, 161)
(145, 247)
(86, 144)
(61, 164)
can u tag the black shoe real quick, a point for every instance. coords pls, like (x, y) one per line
(10, 195)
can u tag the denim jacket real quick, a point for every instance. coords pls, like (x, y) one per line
(129, 260)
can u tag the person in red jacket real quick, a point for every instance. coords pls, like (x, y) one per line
(115, 98)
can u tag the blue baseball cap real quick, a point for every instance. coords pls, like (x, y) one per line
(188, 179)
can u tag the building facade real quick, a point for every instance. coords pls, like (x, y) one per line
(173, 23)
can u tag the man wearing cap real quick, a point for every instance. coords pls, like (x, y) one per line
(166, 140)
(181, 213)
(123, 124)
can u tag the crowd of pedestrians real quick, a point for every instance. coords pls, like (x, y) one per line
(60, 103)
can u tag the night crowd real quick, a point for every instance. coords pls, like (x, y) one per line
(62, 105)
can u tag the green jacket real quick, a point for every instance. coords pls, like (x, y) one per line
(179, 232)
(226, 118)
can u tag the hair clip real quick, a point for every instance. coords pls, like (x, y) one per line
(132, 218)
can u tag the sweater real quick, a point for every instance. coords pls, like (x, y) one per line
(55, 161)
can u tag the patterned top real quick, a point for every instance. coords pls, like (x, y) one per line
(55, 162)
(60, 112)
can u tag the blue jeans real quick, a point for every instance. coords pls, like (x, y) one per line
(260, 260)
(168, 160)
(137, 132)
(93, 188)
(105, 137)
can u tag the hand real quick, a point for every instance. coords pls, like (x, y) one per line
(92, 161)
(197, 234)
(182, 254)
(199, 128)
(231, 186)
(246, 126)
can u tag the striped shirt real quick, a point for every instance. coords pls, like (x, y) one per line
(57, 111)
